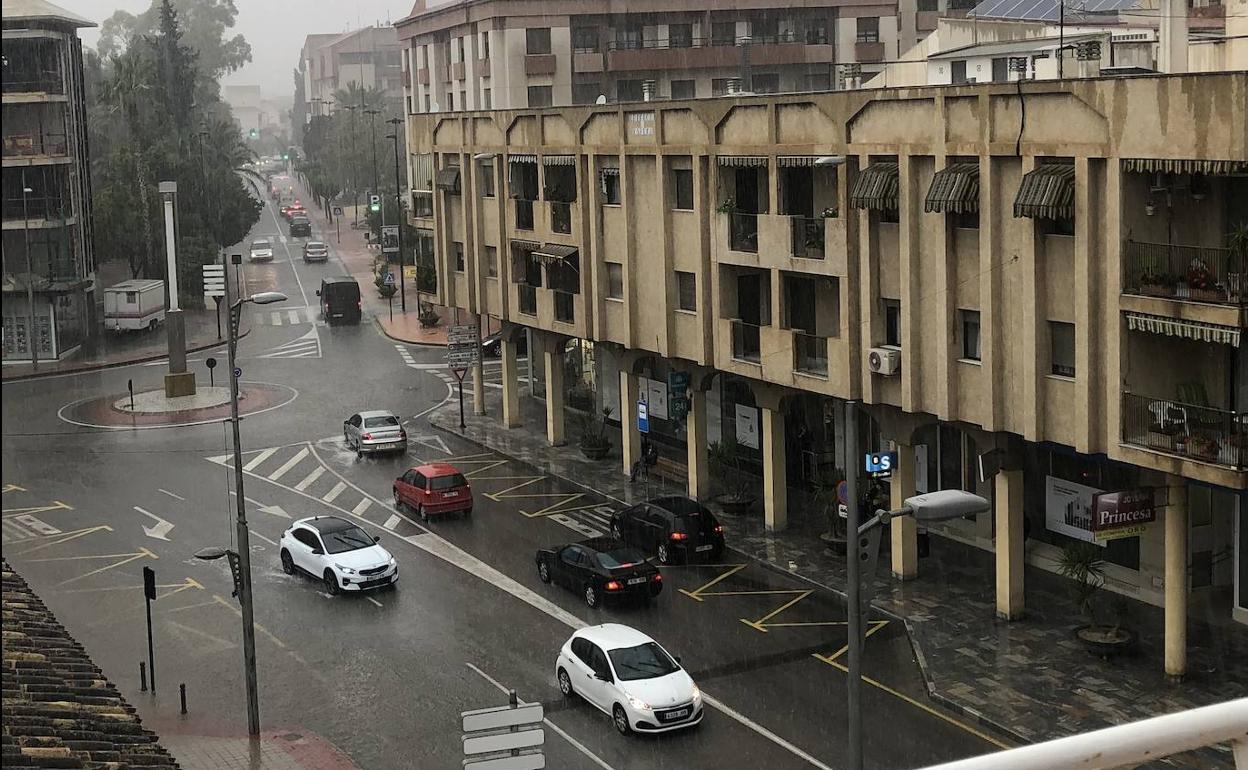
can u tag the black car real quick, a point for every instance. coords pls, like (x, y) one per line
(600, 568)
(340, 299)
(672, 528)
(492, 346)
(300, 227)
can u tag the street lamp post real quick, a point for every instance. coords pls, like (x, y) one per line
(31, 336)
(372, 130)
(355, 192)
(398, 204)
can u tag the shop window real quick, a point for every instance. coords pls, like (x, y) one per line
(892, 322)
(615, 280)
(970, 334)
(682, 189)
(686, 291)
(1062, 348)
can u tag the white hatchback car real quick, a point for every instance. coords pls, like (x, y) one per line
(261, 250)
(338, 553)
(631, 677)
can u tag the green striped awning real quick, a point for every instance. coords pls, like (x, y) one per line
(876, 187)
(1047, 192)
(1179, 166)
(954, 190)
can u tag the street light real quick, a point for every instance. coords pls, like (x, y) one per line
(240, 561)
(398, 206)
(355, 191)
(31, 336)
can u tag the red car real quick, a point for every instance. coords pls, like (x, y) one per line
(433, 489)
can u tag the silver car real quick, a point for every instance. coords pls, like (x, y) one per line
(315, 251)
(261, 250)
(376, 431)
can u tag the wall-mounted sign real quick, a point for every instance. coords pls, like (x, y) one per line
(747, 426)
(641, 125)
(656, 397)
(1122, 514)
(643, 418)
(879, 465)
(1068, 508)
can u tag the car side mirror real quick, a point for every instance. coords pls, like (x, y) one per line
(603, 675)
(317, 552)
(677, 658)
(376, 538)
(318, 292)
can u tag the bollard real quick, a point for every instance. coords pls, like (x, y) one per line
(142, 676)
(182, 695)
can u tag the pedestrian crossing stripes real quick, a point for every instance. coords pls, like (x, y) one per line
(26, 527)
(288, 317)
(305, 346)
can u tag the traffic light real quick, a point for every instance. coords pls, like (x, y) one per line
(253, 133)
(285, 156)
(374, 203)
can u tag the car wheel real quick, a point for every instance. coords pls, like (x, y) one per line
(398, 502)
(665, 555)
(621, 720)
(616, 532)
(331, 583)
(424, 515)
(591, 595)
(543, 572)
(565, 684)
(288, 564)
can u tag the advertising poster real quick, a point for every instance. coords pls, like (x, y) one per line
(747, 426)
(1068, 508)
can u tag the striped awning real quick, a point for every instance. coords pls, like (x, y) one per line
(610, 171)
(1047, 192)
(558, 160)
(422, 173)
(796, 161)
(743, 161)
(876, 187)
(523, 245)
(954, 190)
(554, 252)
(1173, 166)
(522, 158)
(448, 179)
(1192, 330)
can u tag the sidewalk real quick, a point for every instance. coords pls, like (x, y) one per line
(1029, 679)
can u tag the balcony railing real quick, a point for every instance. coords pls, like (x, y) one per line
(808, 236)
(1196, 432)
(561, 217)
(41, 207)
(1189, 273)
(565, 309)
(524, 214)
(21, 145)
(745, 342)
(810, 354)
(528, 299)
(743, 232)
(34, 82)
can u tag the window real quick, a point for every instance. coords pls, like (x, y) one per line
(679, 35)
(427, 103)
(764, 30)
(450, 101)
(132, 298)
(585, 39)
(970, 334)
(422, 204)
(485, 45)
(892, 322)
(628, 38)
(683, 89)
(586, 93)
(486, 102)
(817, 32)
(537, 40)
(459, 48)
(868, 29)
(540, 96)
(611, 188)
(491, 262)
(928, 6)
(1062, 348)
(724, 33)
(615, 280)
(766, 83)
(719, 86)
(463, 100)
(682, 188)
(819, 81)
(967, 220)
(686, 291)
(459, 256)
(1063, 226)
(958, 72)
(307, 538)
(628, 91)
(486, 174)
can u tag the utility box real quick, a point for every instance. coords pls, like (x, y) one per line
(137, 304)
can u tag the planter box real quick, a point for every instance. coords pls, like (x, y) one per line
(1208, 295)
(1156, 290)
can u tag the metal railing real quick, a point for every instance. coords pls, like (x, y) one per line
(565, 308)
(1199, 433)
(808, 236)
(1190, 273)
(809, 37)
(48, 208)
(42, 82)
(19, 145)
(746, 344)
(561, 217)
(528, 298)
(743, 232)
(810, 354)
(524, 214)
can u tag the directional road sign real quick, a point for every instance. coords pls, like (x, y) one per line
(237, 372)
(464, 334)
(504, 738)
(462, 356)
(214, 281)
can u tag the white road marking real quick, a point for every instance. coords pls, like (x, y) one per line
(392, 522)
(310, 312)
(171, 494)
(292, 462)
(310, 478)
(333, 493)
(262, 537)
(374, 601)
(276, 315)
(254, 462)
(361, 506)
(162, 528)
(293, 315)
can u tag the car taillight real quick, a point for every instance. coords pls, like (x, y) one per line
(368, 437)
(719, 528)
(358, 305)
(658, 577)
(613, 585)
(402, 433)
(679, 536)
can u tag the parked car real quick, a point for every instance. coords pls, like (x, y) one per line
(337, 552)
(599, 569)
(261, 250)
(315, 251)
(340, 299)
(300, 227)
(492, 345)
(630, 676)
(375, 431)
(671, 528)
(433, 489)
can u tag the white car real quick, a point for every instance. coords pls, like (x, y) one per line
(338, 553)
(630, 676)
(261, 250)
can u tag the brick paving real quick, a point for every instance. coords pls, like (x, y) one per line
(1029, 679)
(275, 750)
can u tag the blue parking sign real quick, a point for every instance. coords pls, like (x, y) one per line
(643, 417)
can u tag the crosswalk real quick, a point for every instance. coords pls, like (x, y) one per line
(305, 346)
(492, 369)
(289, 316)
(26, 527)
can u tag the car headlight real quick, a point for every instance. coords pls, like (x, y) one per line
(345, 570)
(638, 704)
(393, 563)
(697, 694)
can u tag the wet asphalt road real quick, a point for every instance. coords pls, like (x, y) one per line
(385, 676)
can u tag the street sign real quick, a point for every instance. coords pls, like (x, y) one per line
(409, 272)
(465, 334)
(389, 280)
(842, 510)
(462, 356)
(374, 202)
(879, 465)
(214, 280)
(211, 363)
(842, 492)
(337, 211)
(149, 583)
(390, 239)
(238, 372)
(643, 417)
(491, 742)
(504, 738)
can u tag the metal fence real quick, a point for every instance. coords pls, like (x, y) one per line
(807, 236)
(1196, 432)
(1193, 273)
(745, 342)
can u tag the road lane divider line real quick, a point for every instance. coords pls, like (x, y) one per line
(374, 601)
(262, 537)
(255, 462)
(292, 462)
(361, 506)
(392, 522)
(332, 494)
(174, 495)
(546, 721)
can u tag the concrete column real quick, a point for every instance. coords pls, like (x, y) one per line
(1009, 544)
(775, 477)
(905, 532)
(630, 439)
(553, 358)
(478, 389)
(1176, 578)
(695, 437)
(511, 386)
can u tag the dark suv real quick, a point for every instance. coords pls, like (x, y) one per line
(673, 528)
(340, 299)
(300, 227)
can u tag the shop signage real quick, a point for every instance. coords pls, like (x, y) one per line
(390, 239)
(747, 426)
(643, 417)
(879, 465)
(678, 387)
(1122, 514)
(1068, 509)
(656, 397)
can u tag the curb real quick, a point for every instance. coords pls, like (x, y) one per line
(116, 364)
(381, 328)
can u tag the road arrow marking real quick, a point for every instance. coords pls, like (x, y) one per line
(161, 530)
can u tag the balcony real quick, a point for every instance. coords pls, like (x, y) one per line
(528, 299)
(810, 354)
(743, 232)
(33, 66)
(524, 214)
(1186, 273)
(565, 307)
(705, 53)
(1199, 433)
(561, 217)
(869, 52)
(746, 345)
(34, 145)
(807, 235)
(37, 207)
(539, 64)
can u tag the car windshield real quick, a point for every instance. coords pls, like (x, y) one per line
(343, 540)
(315, 245)
(260, 245)
(645, 661)
(447, 482)
(621, 557)
(389, 421)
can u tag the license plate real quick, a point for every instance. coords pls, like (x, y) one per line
(636, 581)
(450, 494)
(706, 547)
(678, 714)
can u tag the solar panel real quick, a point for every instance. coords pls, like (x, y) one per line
(1048, 10)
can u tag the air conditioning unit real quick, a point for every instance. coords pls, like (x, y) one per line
(885, 361)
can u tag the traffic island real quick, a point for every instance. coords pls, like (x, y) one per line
(153, 409)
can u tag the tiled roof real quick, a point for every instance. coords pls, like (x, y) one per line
(59, 709)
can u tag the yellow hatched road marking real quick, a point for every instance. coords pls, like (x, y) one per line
(178, 588)
(126, 558)
(65, 537)
(507, 492)
(696, 594)
(876, 625)
(759, 625)
(56, 505)
(487, 465)
(13, 488)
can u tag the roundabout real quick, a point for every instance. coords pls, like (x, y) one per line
(153, 409)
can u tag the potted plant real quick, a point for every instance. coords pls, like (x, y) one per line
(428, 318)
(831, 212)
(725, 457)
(1157, 284)
(1082, 563)
(728, 206)
(594, 442)
(824, 498)
(1203, 448)
(1201, 283)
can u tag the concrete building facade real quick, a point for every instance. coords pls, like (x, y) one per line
(370, 57)
(1046, 276)
(49, 259)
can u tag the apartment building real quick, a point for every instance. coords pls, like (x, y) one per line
(1058, 293)
(370, 57)
(505, 54)
(49, 260)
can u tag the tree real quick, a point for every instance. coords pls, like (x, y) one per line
(175, 66)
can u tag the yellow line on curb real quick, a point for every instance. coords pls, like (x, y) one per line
(876, 626)
(761, 622)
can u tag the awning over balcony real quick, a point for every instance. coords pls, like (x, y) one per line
(1192, 330)
(954, 190)
(876, 187)
(743, 161)
(558, 160)
(448, 179)
(1173, 166)
(1047, 192)
(422, 173)
(796, 161)
(522, 158)
(610, 171)
(554, 252)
